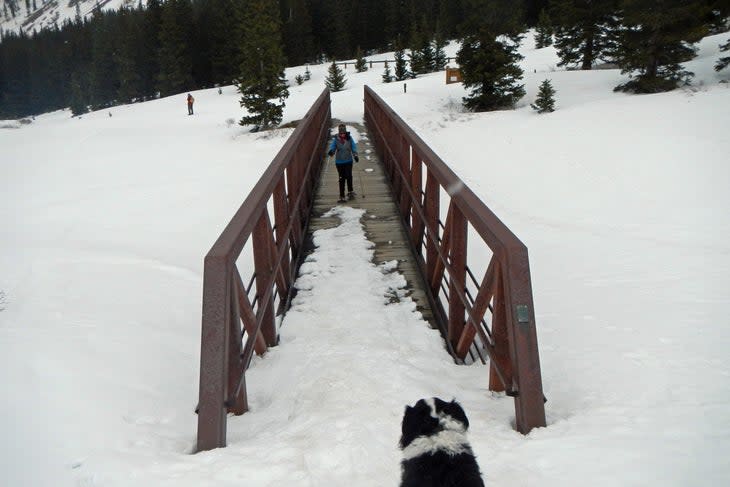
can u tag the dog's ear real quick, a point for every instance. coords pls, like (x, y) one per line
(409, 418)
(422, 405)
(407, 412)
(417, 421)
(440, 404)
(455, 410)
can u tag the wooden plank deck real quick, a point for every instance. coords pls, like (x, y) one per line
(382, 223)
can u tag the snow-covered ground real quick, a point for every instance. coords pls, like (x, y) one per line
(622, 201)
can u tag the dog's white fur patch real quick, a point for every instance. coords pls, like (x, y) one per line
(452, 440)
(448, 441)
(431, 401)
(446, 421)
(451, 424)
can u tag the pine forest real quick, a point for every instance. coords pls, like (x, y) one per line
(163, 47)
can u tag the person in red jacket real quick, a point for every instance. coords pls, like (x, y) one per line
(190, 104)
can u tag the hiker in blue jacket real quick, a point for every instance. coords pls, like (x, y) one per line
(344, 148)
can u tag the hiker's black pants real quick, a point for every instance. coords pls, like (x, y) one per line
(345, 172)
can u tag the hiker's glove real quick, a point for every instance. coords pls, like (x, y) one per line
(331, 153)
(357, 159)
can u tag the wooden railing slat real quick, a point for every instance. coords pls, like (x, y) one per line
(457, 274)
(237, 400)
(476, 313)
(248, 317)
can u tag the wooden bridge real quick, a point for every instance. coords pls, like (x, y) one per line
(466, 271)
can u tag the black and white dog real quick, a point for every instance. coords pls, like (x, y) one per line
(436, 452)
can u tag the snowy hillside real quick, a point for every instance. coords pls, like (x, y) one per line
(622, 201)
(53, 12)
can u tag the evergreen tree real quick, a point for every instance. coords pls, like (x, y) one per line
(297, 32)
(149, 61)
(367, 24)
(335, 25)
(261, 79)
(63, 60)
(439, 54)
(387, 76)
(584, 31)
(421, 55)
(104, 76)
(79, 102)
(361, 64)
(4, 70)
(427, 57)
(307, 74)
(415, 41)
(395, 19)
(77, 60)
(533, 9)
(723, 61)
(401, 69)
(544, 31)
(16, 77)
(653, 42)
(130, 46)
(718, 13)
(450, 16)
(545, 101)
(488, 57)
(335, 79)
(415, 63)
(175, 75)
(208, 27)
(225, 54)
(489, 69)
(45, 73)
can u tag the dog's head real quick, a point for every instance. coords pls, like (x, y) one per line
(430, 416)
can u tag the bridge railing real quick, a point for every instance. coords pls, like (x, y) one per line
(240, 318)
(491, 316)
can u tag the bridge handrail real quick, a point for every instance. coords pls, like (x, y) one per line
(288, 185)
(506, 288)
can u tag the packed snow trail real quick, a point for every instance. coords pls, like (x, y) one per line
(317, 392)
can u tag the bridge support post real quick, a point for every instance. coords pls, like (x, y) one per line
(530, 401)
(213, 355)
